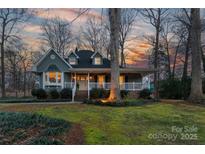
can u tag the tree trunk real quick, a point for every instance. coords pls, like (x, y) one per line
(15, 80)
(2, 63)
(156, 73)
(24, 83)
(203, 58)
(114, 17)
(196, 94)
(168, 58)
(122, 56)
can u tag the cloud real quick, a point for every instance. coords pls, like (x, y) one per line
(137, 48)
(30, 28)
(68, 14)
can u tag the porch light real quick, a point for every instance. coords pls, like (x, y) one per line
(104, 100)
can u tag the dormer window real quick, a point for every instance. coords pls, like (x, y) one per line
(97, 60)
(72, 60)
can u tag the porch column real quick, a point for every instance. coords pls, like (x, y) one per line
(75, 80)
(88, 85)
(44, 80)
(62, 80)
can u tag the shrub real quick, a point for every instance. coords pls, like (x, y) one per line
(34, 92)
(175, 88)
(66, 93)
(145, 94)
(123, 93)
(54, 94)
(99, 93)
(171, 88)
(185, 88)
(41, 94)
(102, 93)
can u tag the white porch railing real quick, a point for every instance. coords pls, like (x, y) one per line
(69, 85)
(131, 86)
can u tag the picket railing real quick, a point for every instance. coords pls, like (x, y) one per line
(130, 86)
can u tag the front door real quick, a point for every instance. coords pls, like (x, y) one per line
(82, 83)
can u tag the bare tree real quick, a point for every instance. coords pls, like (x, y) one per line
(13, 63)
(185, 19)
(167, 40)
(155, 17)
(128, 17)
(96, 34)
(180, 37)
(196, 93)
(26, 63)
(114, 18)
(9, 19)
(57, 34)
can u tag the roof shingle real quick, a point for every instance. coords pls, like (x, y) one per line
(85, 61)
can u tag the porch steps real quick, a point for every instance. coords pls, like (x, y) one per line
(81, 95)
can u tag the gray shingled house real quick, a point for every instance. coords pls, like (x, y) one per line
(84, 70)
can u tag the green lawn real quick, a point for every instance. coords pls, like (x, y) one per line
(128, 125)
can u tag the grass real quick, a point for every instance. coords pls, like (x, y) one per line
(147, 124)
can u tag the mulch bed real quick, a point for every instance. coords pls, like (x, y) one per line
(75, 136)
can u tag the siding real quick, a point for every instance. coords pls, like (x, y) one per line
(47, 61)
(67, 77)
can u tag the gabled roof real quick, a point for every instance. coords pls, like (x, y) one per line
(95, 54)
(85, 60)
(45, 55)
(73, 52)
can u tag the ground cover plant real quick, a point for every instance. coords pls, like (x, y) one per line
(29, 128)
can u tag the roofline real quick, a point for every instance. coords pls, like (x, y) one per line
(34, 69)
(95, 54)
(74, 54)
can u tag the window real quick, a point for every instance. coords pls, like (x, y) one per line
(97, 61)
(101, 80)
(121, 79)
(53, 77)
(72, 60)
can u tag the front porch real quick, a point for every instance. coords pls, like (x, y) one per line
(81, 81)
(89, 81)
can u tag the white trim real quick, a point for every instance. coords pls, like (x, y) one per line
(62, 80)
(95, 54)
(76, 61)
(48, 83)
(101, 61)
(43, 80)
(88, 85)
(45, 55)
(74, 54)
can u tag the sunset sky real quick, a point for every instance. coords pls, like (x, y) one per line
(32, 31)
